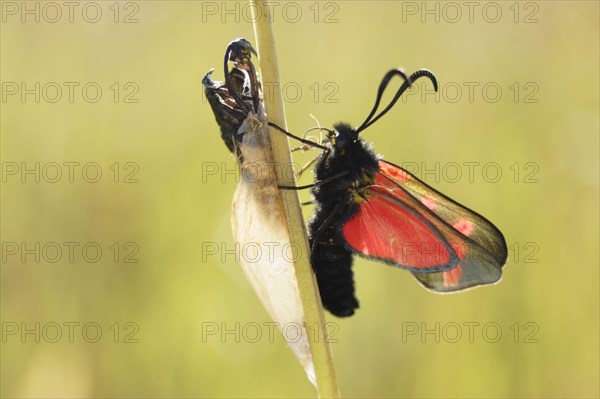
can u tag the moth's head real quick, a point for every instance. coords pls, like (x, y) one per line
(240, 50)
(344, 135)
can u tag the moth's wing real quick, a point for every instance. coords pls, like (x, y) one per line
(466, 221)
(392, 231)
(479, 245)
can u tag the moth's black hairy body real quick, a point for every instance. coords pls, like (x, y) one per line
(336, 203)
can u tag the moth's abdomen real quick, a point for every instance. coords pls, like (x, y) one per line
(332, 263)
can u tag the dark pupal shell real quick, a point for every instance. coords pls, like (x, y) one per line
(232, 100)
(228, 116)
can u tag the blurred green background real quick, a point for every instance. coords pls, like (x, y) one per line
(152, 124)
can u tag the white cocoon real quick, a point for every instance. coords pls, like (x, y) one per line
(260, 227)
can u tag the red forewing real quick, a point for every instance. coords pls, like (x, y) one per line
(391, 231)
(464, 220)
(405, 222)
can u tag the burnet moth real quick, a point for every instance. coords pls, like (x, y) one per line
(369, 207)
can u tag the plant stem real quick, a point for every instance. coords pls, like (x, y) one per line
(313, 310)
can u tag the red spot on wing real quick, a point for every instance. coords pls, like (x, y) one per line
(393, 172)
(386, 229)
(452, 277)
(464, 226)
(428, 202)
